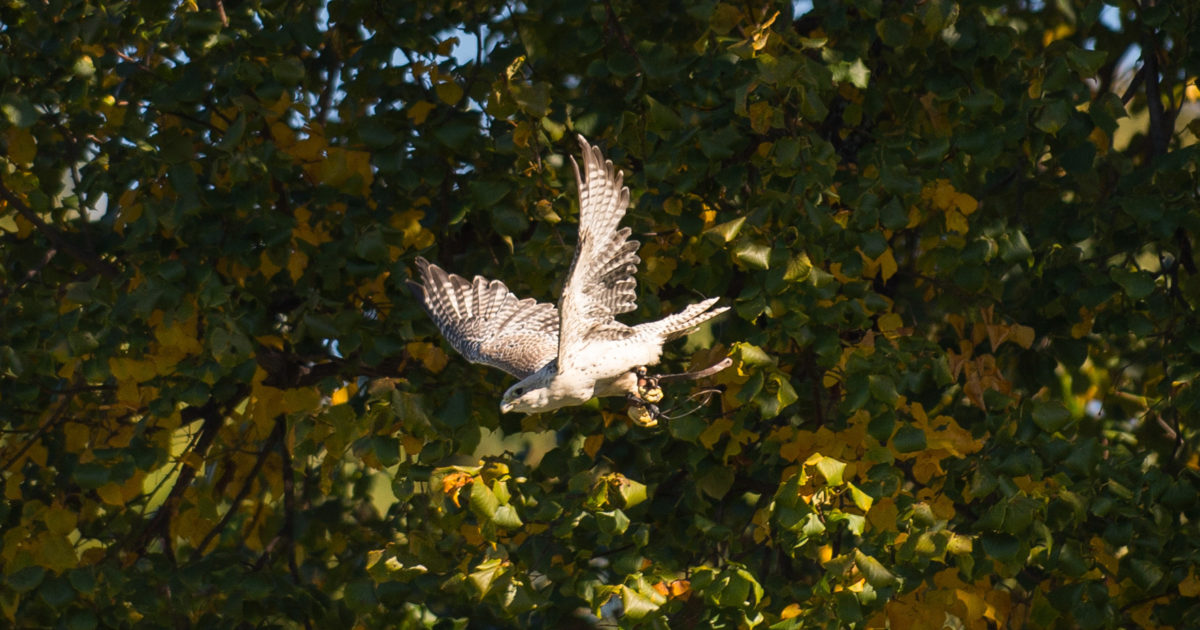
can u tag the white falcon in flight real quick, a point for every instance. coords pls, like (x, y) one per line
(566, 355)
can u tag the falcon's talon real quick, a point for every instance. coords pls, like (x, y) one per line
(651, 394)
(644, 415)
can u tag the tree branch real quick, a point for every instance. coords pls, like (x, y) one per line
(276, 436)
(159, 525)
(88, 259)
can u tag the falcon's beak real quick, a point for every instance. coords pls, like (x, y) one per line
(505, 407)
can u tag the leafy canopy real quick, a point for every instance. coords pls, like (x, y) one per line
(958, 238)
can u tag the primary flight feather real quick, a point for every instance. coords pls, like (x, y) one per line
(566, 355)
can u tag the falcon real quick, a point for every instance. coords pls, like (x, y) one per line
(569, 354)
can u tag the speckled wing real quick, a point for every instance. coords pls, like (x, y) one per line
(600, 284)
(486, 323)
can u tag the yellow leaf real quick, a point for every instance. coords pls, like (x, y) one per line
(446, 47)
(889, 322)
(956, 222)
(887, 265)
(60, 520)
(310, 149)
(943, 195)
(12, 486)
(342, 395)
(450, 92)
(300, 399)
(270, 341)
(1190, 586)
(428, 354)
(22, 147)
(267, 266)
(179, 336)
(130, 369)
(297, 263)
(965, 203)
(714, 432)
(471, 534)
(657, 270)
(1022, 336)
(592, 444)
(110, 493)
(415, 235)
(882, 515)
(24, 228)
(790, 611)
(761, 114)
(419, 111)
(454, 482)
(1059, 32)
(412, 445)
(522, 134)
(76, 435)
(55, 552)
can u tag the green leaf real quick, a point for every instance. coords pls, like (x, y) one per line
(855, 73)
(1051, 416)
(506, 516)
(883, 389)
(831, 469)
(894, 32)
(1053, 117)
(26, 579)
(483, 501)
(660, 118)
(1136, 284)
(753, 254)
(485, 574)
(909, 439)
(82, 620)
(613, 523)
(233, 135)
(371, 246)
(729, 230)
(289, 70)
(873, 571)
(532, 98)
(863, 500)
(715, 481)
(1086, 62)
(18, 110)
(632, 492)
(91, 475)
(637, 604)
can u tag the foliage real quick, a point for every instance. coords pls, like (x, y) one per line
(957, 236)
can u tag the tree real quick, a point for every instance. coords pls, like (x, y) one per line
(958, 239)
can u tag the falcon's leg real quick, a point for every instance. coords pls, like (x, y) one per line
(647, 386)
(643, 408)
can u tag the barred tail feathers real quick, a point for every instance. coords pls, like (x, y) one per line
(685, 321)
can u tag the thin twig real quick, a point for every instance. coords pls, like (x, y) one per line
(55, 417)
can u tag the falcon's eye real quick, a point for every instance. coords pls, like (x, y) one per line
(518, 391)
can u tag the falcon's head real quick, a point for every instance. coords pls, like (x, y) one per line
(528, 396)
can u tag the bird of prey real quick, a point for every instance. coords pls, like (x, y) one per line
(566, 355)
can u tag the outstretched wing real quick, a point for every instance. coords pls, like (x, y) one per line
(486, 323)
(600, 284)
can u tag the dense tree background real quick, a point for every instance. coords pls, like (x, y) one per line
(958, 237)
